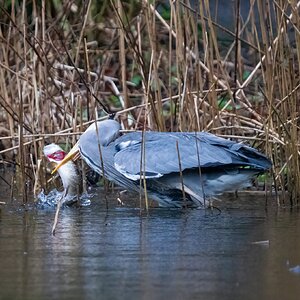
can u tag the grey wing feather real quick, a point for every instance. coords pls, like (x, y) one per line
(195, 149)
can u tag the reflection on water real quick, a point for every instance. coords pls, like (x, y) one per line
(120, 254)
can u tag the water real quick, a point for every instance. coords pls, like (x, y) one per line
(244, 252)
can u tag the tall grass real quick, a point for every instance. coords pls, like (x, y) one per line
(168, 66)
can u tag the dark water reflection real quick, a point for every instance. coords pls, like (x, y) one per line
(118, 254)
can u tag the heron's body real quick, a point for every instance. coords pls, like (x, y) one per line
(209, 165)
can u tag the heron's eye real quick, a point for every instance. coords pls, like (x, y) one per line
(58, 155)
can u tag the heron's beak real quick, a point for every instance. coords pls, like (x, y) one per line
(73, 154)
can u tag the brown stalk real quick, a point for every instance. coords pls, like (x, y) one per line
(87, 79)
(85, 17)
(58, 207)
(236, 58)
(199, 168)
(143, 173)
(122, 56)
(181, 176)
(102, 163)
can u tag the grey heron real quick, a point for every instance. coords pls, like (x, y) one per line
(197, 164)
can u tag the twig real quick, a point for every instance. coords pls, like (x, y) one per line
(237, 33)
(143, 150)
(257, 67)
(101, 159)
(203, 66)
(181, 176)
(59, 203)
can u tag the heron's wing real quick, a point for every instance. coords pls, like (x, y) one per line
(161, 155)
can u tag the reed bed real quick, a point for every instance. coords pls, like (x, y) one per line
(167, 66)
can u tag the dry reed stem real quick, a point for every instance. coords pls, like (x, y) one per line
(181, 175)
(179, 77)
(101, 159)
(59, 204)
(122, 57)
(257, 67)
(143, 173)
(82, 32)
(187, 48)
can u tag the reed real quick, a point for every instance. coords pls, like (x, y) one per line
(181, 176)
(160, 66)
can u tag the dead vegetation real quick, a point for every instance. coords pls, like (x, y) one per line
(167, 66)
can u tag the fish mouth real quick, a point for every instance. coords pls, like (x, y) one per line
(73, 154)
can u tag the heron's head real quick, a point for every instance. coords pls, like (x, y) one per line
(102, 133)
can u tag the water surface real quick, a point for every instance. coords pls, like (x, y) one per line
(246, 251)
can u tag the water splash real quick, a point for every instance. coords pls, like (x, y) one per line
(51, 199)
(295, 270)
